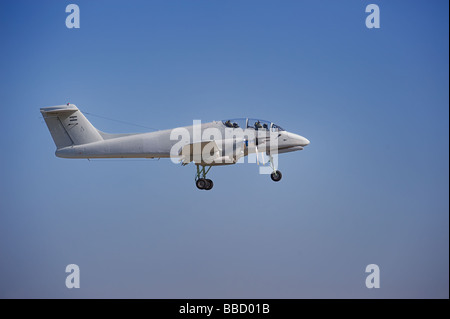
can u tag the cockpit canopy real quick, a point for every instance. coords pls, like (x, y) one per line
(252, 123)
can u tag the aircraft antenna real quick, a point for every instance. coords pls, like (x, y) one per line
(120, 121)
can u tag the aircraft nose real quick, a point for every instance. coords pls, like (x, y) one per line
(300, 140)
(305, 141)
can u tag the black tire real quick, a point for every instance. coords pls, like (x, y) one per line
(276, 176)
(209, 184)
(201, 183)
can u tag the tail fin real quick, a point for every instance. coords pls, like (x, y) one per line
(68, 126)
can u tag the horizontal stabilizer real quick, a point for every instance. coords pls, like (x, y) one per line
(59, 109)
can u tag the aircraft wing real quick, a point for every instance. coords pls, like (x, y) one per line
(200, 152)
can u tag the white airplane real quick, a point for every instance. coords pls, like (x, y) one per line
(208, 144)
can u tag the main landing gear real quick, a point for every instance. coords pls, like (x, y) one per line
(200, 179)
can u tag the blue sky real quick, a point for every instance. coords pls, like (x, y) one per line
(372, 187)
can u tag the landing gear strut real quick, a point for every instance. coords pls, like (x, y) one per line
(200, 179)
(276, 175)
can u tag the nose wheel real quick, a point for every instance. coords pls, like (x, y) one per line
(200, 179)
(276, 176)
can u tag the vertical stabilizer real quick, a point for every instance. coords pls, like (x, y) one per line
(68, 126)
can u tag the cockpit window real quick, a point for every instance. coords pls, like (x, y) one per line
(235, 123)
(258, 124)
(276, 128)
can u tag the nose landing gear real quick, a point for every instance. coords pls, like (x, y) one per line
(276, 175)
